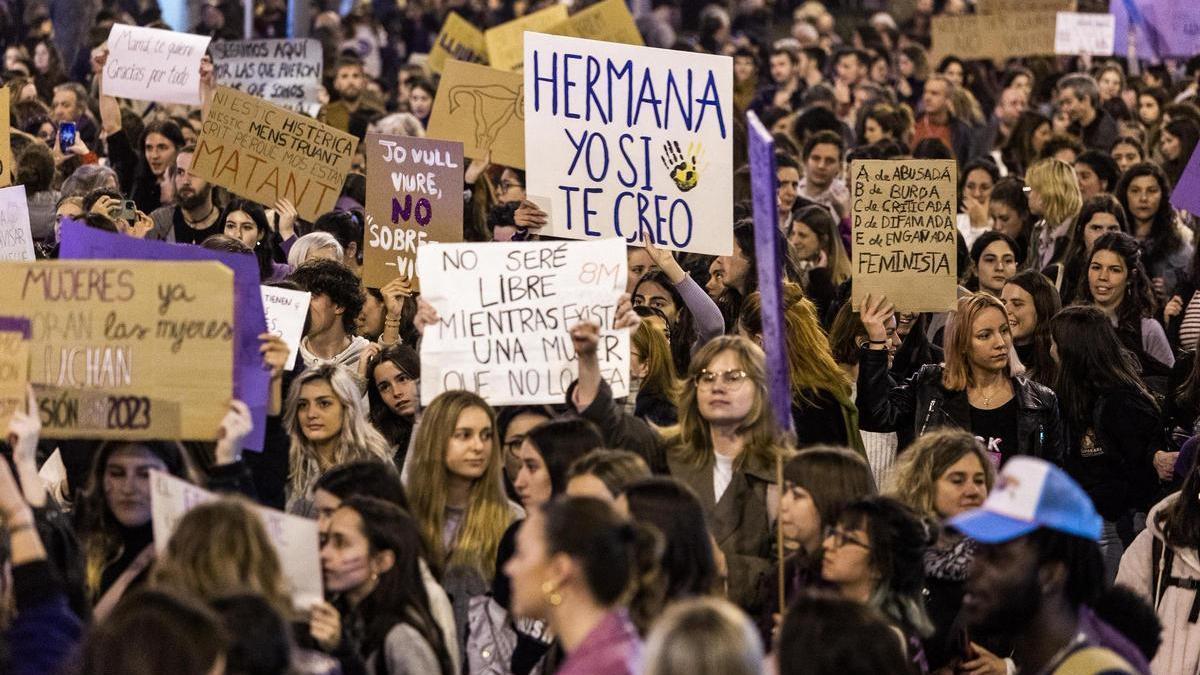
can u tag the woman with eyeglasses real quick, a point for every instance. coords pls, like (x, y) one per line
(693, 318)
(873, 556)
(515, 217)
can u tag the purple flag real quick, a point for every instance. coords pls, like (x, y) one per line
(1162, 28)
(1186, 194)
(769, 257)
(251, 383)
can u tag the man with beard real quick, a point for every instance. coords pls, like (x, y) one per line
(1036, 571)
(351, 112)
(193, 218)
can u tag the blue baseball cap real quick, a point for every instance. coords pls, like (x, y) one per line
(1031, 493)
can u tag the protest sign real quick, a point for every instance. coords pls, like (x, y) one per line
(1161, 28)
(504, 311)
(481, 108)
(296, 540)
(264, 153)
(632, 141)
(608, 20)
(16, 241)
(284, 72)
(14, 366)
(286, 311)
(6, 158)
(1076, 33)
(766, 248)
(1014, 6)
(998, 36)
(126, 349)
(1186, 194)
(459, 39)
(414, 196)
(250, 380)
(148, 64)
(54, 471)
(504, 42)
(904, 234)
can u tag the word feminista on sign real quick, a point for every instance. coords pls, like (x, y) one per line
(504, 312)
(633, 142)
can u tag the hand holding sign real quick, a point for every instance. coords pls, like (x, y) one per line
(875, 313)
(235, 427)
(275, 354)
(529, 217)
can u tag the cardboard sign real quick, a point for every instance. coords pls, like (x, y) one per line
(286, 311)
(14, 367)
(6, 158)
(296, 540)
(1160, 28)
(504, 311)
(414, 196)
(1186, 194)
(16, 241)
(904, 234)
(284, 72)
(632, 141)
(263, 153)
(999, 36)
(148, 64)
(459, 39)
(251, 382)
(766, 248)
(481, 108)
(608, 20)
(1014, 6)
(504, 42)
(1076, 33)
(115, 339)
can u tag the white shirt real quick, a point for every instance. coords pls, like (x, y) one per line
(722, 476)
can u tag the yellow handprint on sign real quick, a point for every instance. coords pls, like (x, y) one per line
(683, 166)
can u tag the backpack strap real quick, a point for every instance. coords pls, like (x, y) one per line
(1156, 569)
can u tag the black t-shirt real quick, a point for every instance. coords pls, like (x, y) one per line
(997, 429)
(186, 234)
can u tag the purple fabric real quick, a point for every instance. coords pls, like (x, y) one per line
(766, 251)
(1186, 458)
(1164, 28)
(251, 383)
(1186, 194)
(288, 244)
(279, 272)
(1100, 633)
(611, 648)
(709, 322)
(15, 324)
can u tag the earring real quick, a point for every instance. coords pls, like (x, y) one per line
(552, 594)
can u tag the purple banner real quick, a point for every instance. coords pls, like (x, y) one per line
(1186, 194)
(1162, 28)
(769, 257)
(15, 324)
(251, 383)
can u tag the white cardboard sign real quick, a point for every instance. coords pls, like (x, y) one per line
(504, 311)
(1081, 33)
(284, 72)
(286, 310)
(16, 241)
(631, 141)
(148, 64)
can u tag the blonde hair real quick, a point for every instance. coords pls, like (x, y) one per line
(488, 511)
(358, 439)
(693, 439)
(957, 374)
(924, 462)
(219, 549)
(655, 351)
(703, 636)
(1055, 181)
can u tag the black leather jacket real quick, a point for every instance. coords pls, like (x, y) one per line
(922, 404)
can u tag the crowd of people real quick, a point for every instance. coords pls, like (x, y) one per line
(1007, 487)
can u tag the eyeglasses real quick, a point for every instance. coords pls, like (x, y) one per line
(730, 378)
(511, 446)
(506, 185)
(841, 538)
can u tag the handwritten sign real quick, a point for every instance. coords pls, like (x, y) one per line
(904, 233)
(608, 20)
(251, 381)
(263, 152)
(148, 64)
(14, 366)
(1013, 6)
(296, 540)
(504, 313)
(1077, 33)
(16, 241)
(1186, 194)
(481, 108)
(285, 311)
(504, 42)
(998, 36)
(114, 338)
(284, 72)
(633, 141)
(6, 158)
(414, 196)
(459, 39)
